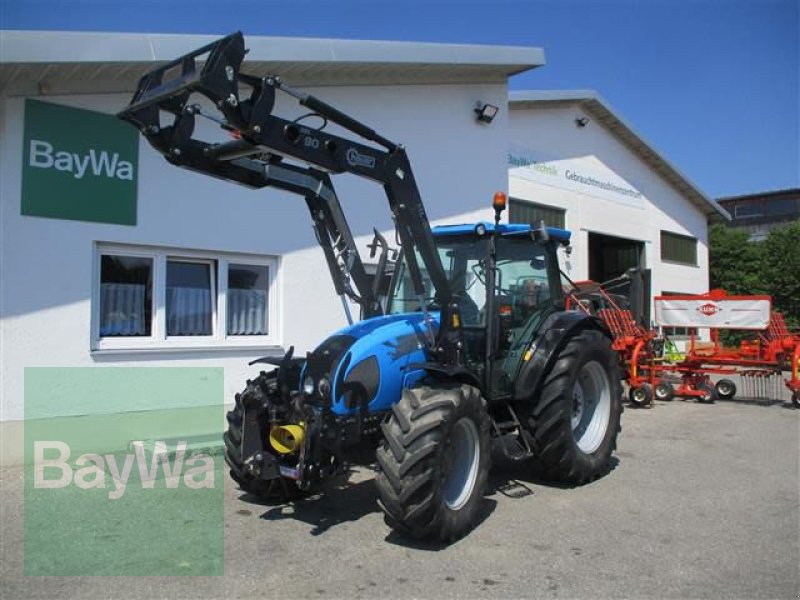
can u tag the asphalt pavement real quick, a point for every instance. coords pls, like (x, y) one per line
(703, 502)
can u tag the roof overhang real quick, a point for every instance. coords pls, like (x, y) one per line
(602, 112)
(59, 62)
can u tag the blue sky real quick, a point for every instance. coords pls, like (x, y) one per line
(713, 84)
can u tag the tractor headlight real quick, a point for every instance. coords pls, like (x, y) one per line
(324, 387)
(308, 385)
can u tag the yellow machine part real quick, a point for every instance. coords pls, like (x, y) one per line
(286, 439)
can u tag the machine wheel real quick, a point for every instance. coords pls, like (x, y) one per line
(434, 461)
(641, 396)
(283, 488)
(664, 391)
(725, 389)
(709, 393)
(575, 422)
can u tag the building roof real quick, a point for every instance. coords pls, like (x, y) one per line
(62, 62)
(768, 195)
(601, 111)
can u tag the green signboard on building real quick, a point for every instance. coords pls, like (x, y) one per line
(78, 164)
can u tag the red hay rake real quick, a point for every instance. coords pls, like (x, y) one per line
(760, 362)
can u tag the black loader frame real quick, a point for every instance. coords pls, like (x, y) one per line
(256, 159)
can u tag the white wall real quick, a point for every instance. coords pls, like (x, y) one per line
(46, 264)
(551, 133)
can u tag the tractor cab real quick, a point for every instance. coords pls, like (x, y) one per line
(498, 315)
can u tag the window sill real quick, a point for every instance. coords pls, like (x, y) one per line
(679, 264)
(262, 349)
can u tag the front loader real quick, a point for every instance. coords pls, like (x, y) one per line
(471, 348)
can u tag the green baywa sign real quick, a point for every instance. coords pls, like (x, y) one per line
(78, 164)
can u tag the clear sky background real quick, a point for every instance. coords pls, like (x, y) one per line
(712, 84)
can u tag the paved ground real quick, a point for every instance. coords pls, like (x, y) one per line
(704, 502)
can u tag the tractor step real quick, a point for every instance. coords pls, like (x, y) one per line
(512, 448)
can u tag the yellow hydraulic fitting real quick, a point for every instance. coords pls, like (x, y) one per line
(286, 439)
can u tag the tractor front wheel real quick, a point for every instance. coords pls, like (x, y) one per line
(576, 418)
(434, 461)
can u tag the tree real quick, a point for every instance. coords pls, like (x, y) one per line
(780, 270)
(734, 262)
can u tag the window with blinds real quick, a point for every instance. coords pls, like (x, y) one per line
(678, 248)
(522, 211)
(155, 297)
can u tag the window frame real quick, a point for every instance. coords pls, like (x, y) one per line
(271, 282)
(673, 261)
(213, 267)
(743, 207)
(158, 340)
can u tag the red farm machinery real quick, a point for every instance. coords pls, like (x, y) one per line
(654, 368)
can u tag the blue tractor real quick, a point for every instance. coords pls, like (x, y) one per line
(469, 350)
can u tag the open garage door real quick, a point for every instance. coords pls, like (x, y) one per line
(610, 257)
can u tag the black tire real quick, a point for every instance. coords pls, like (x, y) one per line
(418, 492)
(256, 390)
(641, 396)
(573, 456)
(709, 393)
(664, 391)
(725, 389)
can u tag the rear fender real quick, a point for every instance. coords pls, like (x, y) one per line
(544, 349)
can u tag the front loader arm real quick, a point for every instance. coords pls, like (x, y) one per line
(263, 142)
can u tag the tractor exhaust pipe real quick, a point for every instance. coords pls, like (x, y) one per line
(287, 439)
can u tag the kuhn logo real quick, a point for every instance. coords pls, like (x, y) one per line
(709, 309)
(359, 160)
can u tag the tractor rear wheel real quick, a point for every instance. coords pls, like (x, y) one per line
(575, 422)
(434, 461)
(286, 489)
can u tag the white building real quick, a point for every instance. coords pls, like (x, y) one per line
(88, 207)
(575, 163)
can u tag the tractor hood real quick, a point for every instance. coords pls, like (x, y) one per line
(368, 362)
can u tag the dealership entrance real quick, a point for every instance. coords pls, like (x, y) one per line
(611, 256)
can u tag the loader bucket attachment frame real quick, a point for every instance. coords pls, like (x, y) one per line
(257, 158)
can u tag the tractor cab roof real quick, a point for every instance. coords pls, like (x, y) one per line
(506, 229)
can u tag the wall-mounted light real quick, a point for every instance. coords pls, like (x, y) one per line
(486, 112)
(581, 121)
